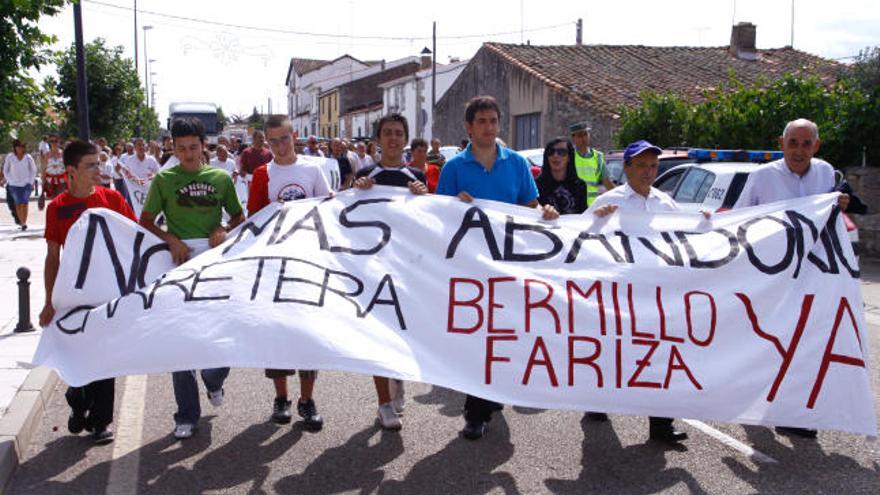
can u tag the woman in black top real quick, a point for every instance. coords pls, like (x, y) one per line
(558, 183)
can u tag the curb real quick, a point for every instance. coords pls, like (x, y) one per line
(21, 419)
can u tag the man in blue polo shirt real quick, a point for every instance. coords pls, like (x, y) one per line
(486, 170)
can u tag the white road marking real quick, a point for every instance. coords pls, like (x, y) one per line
(731, 442)
(123, 479)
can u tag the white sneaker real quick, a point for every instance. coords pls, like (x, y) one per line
(388, 418)
(216, 397)
(183, 431)
(398, 395)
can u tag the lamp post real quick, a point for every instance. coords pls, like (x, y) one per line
(82, 95)
(146, 67)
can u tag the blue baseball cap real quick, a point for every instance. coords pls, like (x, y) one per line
(639, 147)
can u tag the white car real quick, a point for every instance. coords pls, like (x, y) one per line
(715, 187)
(535, 156)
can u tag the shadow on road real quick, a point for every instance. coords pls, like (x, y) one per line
(245, 458)
(462, 467)
(355, 465)
(451, 401)
(804, 463)
(610, 468)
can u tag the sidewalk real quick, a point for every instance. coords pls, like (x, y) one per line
(24, 390)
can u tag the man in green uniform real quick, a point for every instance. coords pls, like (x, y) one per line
(589, 162)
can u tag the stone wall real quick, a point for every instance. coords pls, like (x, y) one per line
(866, 184)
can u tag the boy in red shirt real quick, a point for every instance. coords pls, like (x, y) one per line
(92, 405)
(288, 177)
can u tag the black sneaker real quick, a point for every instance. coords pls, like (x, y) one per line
(474, 430)
(102, 436)
(76, 424)
(281, 411)
(791, 431)
(309, 413)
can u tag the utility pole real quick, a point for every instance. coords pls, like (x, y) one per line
(135, 35)
(792, 24)
(146, 67)
(579, 38)
(433, 74)
(82, 96)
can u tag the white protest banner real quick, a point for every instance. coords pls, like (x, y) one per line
(753, 316)
(137, 191)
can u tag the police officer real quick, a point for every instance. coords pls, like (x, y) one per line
(589, 162)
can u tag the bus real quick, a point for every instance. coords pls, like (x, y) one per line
(206, 112)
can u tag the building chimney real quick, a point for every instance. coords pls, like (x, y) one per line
(742, 41)
(426, 58)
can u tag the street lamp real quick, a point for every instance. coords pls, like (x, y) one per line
(146, 66)
(148, 81)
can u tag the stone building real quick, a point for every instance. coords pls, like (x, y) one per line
(543, 89)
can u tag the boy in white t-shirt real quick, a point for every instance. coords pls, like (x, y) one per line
(288, 177)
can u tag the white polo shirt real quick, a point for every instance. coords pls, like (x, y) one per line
(627, 199)
(774, 181)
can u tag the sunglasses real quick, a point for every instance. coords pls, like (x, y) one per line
(559, 151)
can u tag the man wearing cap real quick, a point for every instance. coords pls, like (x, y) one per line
(640, 162)
(589, 162)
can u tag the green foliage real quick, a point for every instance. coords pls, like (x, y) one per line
(116, 98)
(23, 48)
(222, 121)
(736, 116)
(256, 119)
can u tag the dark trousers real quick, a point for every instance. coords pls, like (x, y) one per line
(477, 409)
(660, 423)
(94, 402)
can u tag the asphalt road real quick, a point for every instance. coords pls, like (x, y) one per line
(238, 450)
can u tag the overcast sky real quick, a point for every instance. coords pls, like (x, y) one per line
(198, 59)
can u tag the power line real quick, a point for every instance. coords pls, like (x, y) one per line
(321, 35)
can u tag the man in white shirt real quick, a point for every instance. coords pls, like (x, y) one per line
(363, 160)
(223, 160)
(640, 162)
(141, 165)
(796, 175)
(311, 148)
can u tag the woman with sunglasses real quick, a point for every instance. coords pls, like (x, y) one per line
(558, 183)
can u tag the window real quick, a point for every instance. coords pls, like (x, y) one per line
(668, 182)
(692, 189)
(527, 130)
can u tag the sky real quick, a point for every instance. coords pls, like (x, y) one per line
(236, 54)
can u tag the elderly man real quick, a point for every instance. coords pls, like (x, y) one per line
(640, 162)
(797, 174)
(255, 156)
(589, 162)
(312, 148)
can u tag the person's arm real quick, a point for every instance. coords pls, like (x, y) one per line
(548, 212)
(232, 205)
(179, 250)
(50, 273)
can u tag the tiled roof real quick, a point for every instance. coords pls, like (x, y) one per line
(604, 77)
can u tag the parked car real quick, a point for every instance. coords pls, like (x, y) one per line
(535, 157)
(716, 185)
(668, 159)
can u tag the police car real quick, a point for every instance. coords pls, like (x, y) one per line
(714, 180)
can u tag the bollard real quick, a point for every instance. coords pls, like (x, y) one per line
(24, 301)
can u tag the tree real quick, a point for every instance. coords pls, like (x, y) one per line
(222, 122)
(116, 98)
(255, 119)
(23, 48)
(736, 116)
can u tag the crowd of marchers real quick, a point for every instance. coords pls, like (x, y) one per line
(192, 188)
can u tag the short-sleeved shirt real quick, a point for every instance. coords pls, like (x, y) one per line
(509, 181)
(63, 211)
(142, 169)
(228, 165)
(273, 182)
(252, 158)
(392, 176)
(774, 181)
(627, 199)
(193, 202)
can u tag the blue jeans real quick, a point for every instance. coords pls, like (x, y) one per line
(186, 392)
